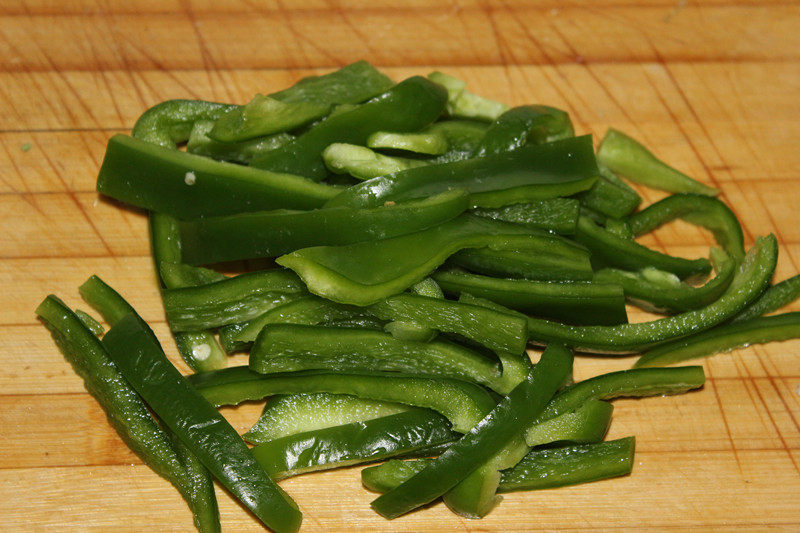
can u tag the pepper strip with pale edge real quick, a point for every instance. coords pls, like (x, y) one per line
(486, 439)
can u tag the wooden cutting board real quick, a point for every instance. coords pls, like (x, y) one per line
(712, 89)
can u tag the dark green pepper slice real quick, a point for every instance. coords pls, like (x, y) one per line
(529, 124)
(588, 423)
(189, 186)
(774, 298)
(464, 404)
(410, 105)
(573, 302)
(559, 215)
(529, 173)
(539, 469)
(724, 338)
(200, 143)
(696, 209)
(365, 273)
(417, 432)
(550, 261)
(135, 350)
(611, 200)
(307, 100)
(610, 249)
(170, 123)
(274, 233)
(501, 426)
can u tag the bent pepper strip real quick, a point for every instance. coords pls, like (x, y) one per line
(559, 215)
(750, 280)
(486, 439)
(135, 350)
(127, 413)
(774, 298)
(545, 262)
(365, 273)
(463, 403)
(723, 339)
(539, 469)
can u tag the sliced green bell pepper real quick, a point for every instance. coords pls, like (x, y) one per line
(550, 261)
(200, 143)
(774, 298)
(529, 124)
(464, 104)
(559, 215)
(170, 123)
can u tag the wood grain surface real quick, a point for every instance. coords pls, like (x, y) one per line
(711, 87)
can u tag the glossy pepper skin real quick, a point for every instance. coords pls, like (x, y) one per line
(189, 186)
(170, 123)
(489, 437)
(724, 338)
(527, 174)
(136, 351)
(774, 298)
(559, 215)
(365, 273)
(410, 105)
(529, 124)
(278, 232)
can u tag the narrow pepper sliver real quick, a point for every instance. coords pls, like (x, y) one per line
(135, 350)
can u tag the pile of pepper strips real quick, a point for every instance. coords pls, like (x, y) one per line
(422, 237)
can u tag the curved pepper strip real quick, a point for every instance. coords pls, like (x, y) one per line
(613, 250)
(278, 232)
(490, 436)
(447, 136)
(723, 339)
(410, 105)
(630, 159)
(464, 404)
(539, 469)
(576, 302)
(126, 411)
(698, 210)
(548, 263)
(559, 215)
(291, 348)
(307, 100)
(230, 300)
(135, 350)
(610, 199)
(405, 327)
(290, 414)
(413, 433)
(774, 298)
(170, 123)
(199, 349)
(529, 173)
(464, 104)
(663, 291)
(190, 186)
(588, 423)
(364, 164)
(528, 124)
(365, 273)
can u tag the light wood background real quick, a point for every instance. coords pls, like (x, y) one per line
(712, 88)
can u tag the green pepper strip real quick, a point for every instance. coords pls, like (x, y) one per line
(291, 347)
(170, 123)
(364, 164)
(663, 291)
(126, 411)
(723, 339)
(274, 233)
(559, 215)
(409, 326)
(576, 302)
(529, 124)
(113, 308)
(774, 298)
(230, 300)
(613, 250)
(200, 143)
(627, 157)
(489, 437)
(135, 350)
(610, 199)
(464, 404)
(286, 415)
(529, 173)
(189, 186)
(696, 209)
(417, 432)
(307, 100)
(539, 469)
(365, 273)
(448, 138)
(589, 423)
(551, 261)
(410, 105)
